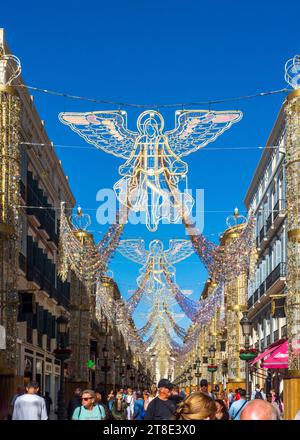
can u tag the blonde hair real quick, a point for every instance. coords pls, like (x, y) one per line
(90, 392)
(197, 406)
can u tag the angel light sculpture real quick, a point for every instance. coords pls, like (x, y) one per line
(292, 72)
(156, 261)
(154, 177)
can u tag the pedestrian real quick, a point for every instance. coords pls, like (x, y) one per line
(237, 395)
(175, 397)
(89, 410)
(30, 406)
(256, 394)
(138, 410)
(263, 393)
(161, 407)
(146, 395)
(109, 403)
(259, 409)
(204, 388)
(153, 393)
(222, 410)
(269, 398)
(197, 406)
(74, 403)
(224, 397)
(119, 407)
(238, 405)
(98, 401)
(230, 397)
(48, 402)
(130, 403)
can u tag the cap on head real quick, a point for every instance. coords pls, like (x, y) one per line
(165, 383)
(203, 383)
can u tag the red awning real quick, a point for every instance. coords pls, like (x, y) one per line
(267, 352)
(278, 358)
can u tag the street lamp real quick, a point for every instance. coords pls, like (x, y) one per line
(62, 353)
(197, 374)
(190, 377)
(122, 372)
(105, 368)
(212, 368)
(246, 323)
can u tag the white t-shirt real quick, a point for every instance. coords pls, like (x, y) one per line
(30, 407)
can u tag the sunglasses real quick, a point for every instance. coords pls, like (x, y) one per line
(86, 398)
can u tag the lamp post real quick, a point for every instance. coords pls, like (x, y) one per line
(190, 377)
(62, 353)
(122, 372)
(105, 368)
(246, 329)
(197, 374)
(213, 368)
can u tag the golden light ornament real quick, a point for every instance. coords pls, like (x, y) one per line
(10, 68)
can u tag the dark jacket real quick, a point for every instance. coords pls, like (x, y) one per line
(73, 404)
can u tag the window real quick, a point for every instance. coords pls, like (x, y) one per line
(23, 235)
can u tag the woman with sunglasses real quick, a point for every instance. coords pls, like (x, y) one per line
(88, 409)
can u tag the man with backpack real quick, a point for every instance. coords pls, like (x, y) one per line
(88, 409)
(238, 405)
(257, 394)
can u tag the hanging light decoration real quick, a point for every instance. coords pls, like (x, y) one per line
(10, 69)
(77, 250)
(153, 170)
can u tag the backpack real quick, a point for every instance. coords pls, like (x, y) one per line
(101, 411)
(258, 395)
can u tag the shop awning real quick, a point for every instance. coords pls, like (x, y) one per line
(267, 352)
(278, 358)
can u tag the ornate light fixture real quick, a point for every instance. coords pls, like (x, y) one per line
(154, 170)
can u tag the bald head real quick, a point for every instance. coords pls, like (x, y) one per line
(259, 409)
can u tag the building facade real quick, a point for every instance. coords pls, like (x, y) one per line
(33, 296)
(266, 197)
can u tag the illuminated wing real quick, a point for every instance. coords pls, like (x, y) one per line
(134, 250)
(179, 250)
(106, 130)
(196, 128)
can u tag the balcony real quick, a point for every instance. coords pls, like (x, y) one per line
(262, 289)
(42, 212)
(29, 335)
(48, 343)
(22, 262)
(22, 190)
(40, 339)
(255, 296)
(276, 335)
(278, 209)
(269, 222)
(262, 234)
(250, 301)
(284, 331)
(277, 273)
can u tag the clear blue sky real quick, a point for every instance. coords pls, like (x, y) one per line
(163, 52)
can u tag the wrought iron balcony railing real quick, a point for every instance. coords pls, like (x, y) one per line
(278, 272)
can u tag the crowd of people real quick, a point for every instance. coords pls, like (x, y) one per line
(164, 402)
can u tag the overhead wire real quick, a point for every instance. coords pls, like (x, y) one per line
(147, 106)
